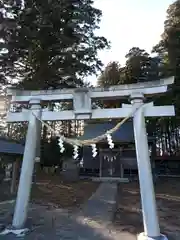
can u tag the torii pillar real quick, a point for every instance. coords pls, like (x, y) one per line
(32, 138)
(149, 210)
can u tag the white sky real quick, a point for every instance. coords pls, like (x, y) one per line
(130, 23)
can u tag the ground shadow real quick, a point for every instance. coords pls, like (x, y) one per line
(60, 224)
(129, 217)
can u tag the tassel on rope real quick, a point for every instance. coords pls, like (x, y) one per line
(94, 150)
(75, 152)
(61, 145)
(109, 140)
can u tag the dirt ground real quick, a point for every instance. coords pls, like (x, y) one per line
(5, 192)
(60, 194)
(128, 217)
(52, 191)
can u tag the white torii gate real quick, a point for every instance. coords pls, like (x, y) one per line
(83, 110)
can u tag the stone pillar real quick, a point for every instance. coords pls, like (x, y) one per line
(33, 134)
(150, 218)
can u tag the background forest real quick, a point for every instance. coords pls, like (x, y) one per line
(52, 44)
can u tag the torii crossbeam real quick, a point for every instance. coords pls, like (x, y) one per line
(82, 109)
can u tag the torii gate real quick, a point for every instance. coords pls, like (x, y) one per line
(83, 110)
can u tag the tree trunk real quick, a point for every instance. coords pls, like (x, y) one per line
(14, 176)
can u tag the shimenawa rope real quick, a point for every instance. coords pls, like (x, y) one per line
(88, 142)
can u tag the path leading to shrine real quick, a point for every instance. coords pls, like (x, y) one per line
(91, 222)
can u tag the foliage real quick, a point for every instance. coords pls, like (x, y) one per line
(53, 44)
(50, 153)
(48, 44)
(169, 48)
(110, 75)
(55, 159)
(139, 67)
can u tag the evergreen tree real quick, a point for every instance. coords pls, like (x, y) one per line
(169, 51)
(110, 75)
(53, 44)
(140, 66)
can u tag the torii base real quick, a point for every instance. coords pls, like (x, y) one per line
(141, 236)
(15, 232)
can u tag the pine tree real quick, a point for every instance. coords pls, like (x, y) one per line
(53, 44)
(110, 75)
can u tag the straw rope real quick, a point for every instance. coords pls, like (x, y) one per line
(88, 142)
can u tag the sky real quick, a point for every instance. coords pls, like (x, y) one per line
(130, 23)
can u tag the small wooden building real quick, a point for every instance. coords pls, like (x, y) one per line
(10, 153)
(117, 162)
(11, 148)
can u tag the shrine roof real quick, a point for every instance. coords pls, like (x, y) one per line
(10, 147)
(124, 134)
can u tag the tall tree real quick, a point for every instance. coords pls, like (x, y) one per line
(110, 75)
(140, 66)
(7, 11)
(49, 43)
(168, 50)
(169, 47)
(113, 74)
(54, 44)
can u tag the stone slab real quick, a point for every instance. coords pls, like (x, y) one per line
(102, 205)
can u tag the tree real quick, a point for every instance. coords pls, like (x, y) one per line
(169, 50)
(49, 44)
(7, 9)
(54, 44)
(170, 41)
(140, 66)
(110, 75)
(47, 158)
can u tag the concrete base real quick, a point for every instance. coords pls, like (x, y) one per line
(141, 236)
(109, 179)
(16, 232)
